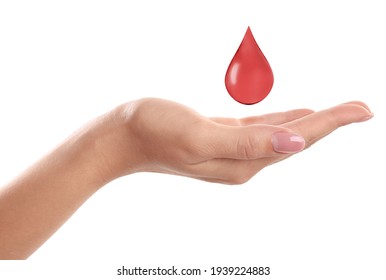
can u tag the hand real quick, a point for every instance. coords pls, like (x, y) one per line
(163, 136)
(152, 135)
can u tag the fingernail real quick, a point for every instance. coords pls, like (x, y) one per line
(285, 142)
(366, 118)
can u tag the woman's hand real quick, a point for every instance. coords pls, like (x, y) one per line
(164, 136)
(152, 135)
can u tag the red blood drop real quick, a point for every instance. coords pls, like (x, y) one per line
(249, 77)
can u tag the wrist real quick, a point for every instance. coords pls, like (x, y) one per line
(111, 149)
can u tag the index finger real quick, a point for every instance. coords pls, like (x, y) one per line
(315, 126)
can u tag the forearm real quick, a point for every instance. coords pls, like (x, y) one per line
(152, 135)
(40, 200)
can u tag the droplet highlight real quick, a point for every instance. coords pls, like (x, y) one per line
(249, 77)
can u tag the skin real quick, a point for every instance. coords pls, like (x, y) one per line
(149, 135)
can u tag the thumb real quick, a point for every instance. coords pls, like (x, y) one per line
(253, 142)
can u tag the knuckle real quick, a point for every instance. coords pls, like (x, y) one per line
(247, 146)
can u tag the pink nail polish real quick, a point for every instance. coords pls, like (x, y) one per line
(285, 142)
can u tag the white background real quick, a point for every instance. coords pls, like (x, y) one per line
(318, 215)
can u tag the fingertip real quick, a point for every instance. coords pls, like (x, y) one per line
(366, 118)
(359, 103)
(350, 112)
